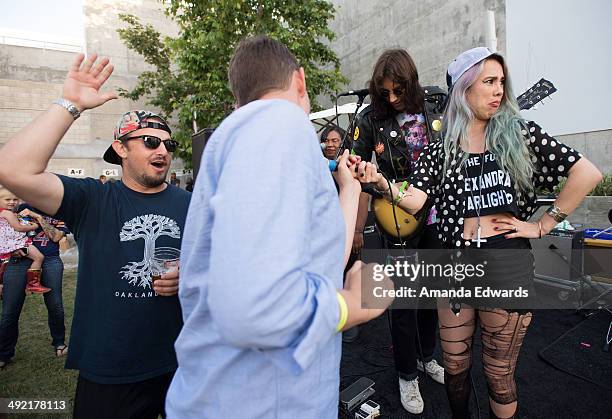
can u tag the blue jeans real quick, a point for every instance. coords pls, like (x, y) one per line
(14, 297)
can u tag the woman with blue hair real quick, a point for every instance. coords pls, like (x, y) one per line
(483, 177)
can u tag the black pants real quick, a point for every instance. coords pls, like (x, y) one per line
(141, 400)
(406, 341)
(406, 348)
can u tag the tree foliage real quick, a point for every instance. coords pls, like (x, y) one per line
(189, 75)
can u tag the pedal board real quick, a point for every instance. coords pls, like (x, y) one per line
(355, 394)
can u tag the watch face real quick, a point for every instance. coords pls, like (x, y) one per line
(74, 111)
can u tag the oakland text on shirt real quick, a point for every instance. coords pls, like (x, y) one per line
(135, 294)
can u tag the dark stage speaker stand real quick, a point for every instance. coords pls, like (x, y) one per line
(198, 142)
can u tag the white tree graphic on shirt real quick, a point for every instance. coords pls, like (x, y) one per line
(148, 227)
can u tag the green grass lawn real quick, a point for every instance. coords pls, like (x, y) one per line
(35, 372)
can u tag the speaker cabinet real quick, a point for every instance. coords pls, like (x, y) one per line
(559, 257)
(198, 142)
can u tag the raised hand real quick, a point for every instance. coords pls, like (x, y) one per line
(368, 173)
(345, 173)
(82, 86)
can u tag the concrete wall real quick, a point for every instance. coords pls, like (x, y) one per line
(433, 32)
(596, 146)
(31, 78)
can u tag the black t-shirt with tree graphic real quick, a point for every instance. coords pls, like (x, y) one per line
(122, 332)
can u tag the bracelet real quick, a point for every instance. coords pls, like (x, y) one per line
(540, 228)
(398, 198)
(343, 312)
(69, 106)
(556, 213)
(401, 193)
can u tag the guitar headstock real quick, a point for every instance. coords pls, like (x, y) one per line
(536, 93)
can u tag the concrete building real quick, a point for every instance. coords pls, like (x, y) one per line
(34, 66)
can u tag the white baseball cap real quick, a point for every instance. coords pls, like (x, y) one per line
(465, 61)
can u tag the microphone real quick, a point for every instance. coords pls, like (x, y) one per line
(361, 93)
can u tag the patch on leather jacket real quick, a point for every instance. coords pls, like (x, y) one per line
(380, 148)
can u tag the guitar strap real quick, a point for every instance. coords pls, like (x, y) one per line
(396, 142)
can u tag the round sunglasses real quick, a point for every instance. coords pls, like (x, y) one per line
(153, 142)
(397, 92)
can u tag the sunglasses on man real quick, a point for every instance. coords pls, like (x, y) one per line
(153, 142)
(398, 91)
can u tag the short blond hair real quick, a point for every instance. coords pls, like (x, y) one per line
(4, 191)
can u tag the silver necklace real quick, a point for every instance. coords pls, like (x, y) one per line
(477, 208)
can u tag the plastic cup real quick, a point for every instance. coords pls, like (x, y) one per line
(165, 259)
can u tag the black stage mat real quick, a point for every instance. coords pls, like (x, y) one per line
(544, 391)
(579, 351)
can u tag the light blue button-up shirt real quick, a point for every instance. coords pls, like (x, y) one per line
(261, 261)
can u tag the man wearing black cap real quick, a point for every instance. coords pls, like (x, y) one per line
(124, 326)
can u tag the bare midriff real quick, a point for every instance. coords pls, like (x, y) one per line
(470, 225)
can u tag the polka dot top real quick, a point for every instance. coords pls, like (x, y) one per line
(552, 161)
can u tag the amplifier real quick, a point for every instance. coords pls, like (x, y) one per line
(559, 257)
(198, 142)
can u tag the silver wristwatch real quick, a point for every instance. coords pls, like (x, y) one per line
(69, 106)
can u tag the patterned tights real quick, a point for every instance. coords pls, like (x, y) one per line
(503, 333)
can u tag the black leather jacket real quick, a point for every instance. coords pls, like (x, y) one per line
(372, 130)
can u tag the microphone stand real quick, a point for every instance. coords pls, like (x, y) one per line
(333, 164)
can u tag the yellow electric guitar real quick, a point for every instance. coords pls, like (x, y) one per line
(407, 225)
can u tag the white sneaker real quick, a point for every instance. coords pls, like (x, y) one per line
(433, 369)
(410, 396)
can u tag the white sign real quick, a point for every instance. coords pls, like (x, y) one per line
(187, 171)
(110, 172)
(76, 172)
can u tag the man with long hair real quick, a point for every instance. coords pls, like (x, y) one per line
(401, 120)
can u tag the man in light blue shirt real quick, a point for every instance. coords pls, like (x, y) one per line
(265, 243)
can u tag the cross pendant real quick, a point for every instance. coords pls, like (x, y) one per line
(478, 240)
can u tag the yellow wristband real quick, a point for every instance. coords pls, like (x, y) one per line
(343, 312)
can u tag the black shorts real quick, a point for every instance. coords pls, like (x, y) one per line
(141, 400)
(509, 264)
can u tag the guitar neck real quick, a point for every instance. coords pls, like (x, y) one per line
(535, 94)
